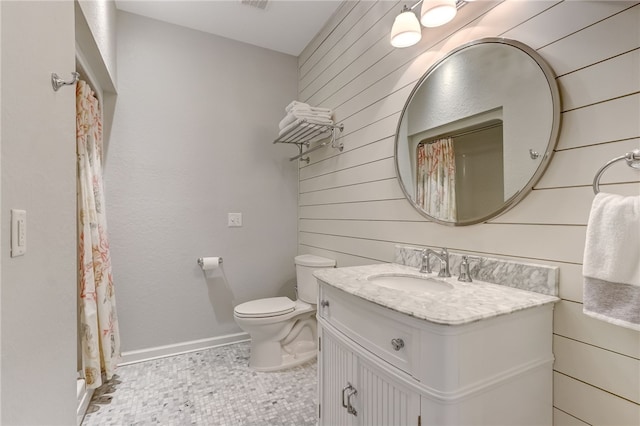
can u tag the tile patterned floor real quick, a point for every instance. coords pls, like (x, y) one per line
(209, 387)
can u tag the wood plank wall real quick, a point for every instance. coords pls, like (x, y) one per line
(352, 209)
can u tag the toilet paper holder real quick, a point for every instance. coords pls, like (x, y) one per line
(201, 261)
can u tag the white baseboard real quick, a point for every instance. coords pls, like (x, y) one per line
(84, 398)
(141, 355)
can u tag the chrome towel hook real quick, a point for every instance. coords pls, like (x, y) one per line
(57, 82)
(632, 158)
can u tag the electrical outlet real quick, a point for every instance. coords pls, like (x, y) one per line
(234, 220)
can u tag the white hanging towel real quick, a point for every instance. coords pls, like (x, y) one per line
(611, 264)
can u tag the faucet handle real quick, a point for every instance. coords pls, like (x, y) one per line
(424, 262)
(465, 275)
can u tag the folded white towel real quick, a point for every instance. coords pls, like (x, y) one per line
(295, 104)
(310, 109)
(288, 119)
(317, 120)
(300, 121)
(288, 127)
(296, 114)
(611, 265)
(301, 106)
(310, 114)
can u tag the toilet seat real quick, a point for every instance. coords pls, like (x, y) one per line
(264, 308)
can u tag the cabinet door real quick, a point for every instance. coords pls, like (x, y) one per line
(336, 369)
(381, 400)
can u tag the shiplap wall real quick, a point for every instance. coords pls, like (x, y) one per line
(351, 207)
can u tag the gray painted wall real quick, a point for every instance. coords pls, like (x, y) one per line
(195, 118)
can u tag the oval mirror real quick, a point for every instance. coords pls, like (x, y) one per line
(477, 131)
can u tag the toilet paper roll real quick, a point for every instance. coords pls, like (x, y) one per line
(209, 263)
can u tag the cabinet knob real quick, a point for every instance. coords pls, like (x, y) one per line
(324, 303)
(397, 344)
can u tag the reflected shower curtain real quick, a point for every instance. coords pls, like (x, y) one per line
(436, 178)
(99, 334)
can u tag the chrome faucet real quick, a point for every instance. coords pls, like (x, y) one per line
(443, 256)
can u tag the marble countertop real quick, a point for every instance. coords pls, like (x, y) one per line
(464, 303)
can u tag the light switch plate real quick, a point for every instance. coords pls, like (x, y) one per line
(234, 220)
(18, 232)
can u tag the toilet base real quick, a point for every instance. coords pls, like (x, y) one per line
(290, 361)
(274, 356)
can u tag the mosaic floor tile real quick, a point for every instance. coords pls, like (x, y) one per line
(209, 387)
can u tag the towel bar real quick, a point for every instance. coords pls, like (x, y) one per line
(632, 158)
(305, 133)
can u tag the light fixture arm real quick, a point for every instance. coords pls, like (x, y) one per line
(415, 5)
(459, 4)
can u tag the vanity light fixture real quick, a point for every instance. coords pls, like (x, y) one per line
(406, 30)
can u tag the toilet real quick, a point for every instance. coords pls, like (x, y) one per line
(283, 332)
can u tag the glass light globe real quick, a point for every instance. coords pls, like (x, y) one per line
(437, 12)
(406, 30)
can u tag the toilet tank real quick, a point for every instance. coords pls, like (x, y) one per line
(307, 284)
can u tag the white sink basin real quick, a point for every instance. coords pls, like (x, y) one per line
(410, 283)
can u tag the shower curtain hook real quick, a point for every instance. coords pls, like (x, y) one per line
(57, 82)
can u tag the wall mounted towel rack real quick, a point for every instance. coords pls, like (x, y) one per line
(304, 133)
(632, 158)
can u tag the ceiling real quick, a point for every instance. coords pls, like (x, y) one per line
(286, 26)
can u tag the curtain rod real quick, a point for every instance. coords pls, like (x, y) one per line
(457, 135)
(82, 66)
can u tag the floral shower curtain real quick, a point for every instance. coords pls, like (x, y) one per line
(436, 180)
(99, 333)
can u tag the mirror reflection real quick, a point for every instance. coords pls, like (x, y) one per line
(477, 131)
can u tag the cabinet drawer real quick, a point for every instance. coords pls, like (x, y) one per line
(371, 326)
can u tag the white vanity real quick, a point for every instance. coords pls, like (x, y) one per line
(452, 353)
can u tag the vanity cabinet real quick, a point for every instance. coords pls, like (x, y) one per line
(356, 391)
(377, 366)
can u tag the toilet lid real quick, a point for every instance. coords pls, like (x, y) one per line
(270, 307)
